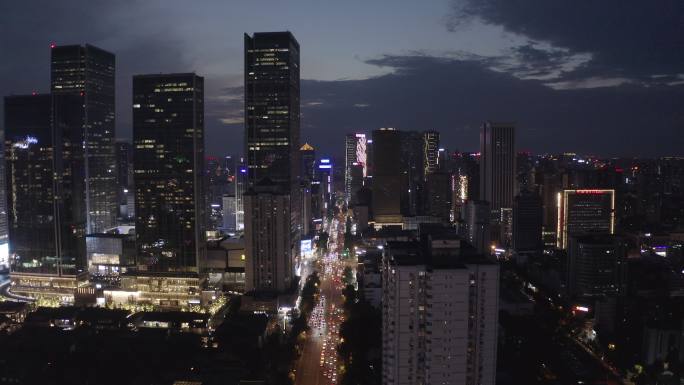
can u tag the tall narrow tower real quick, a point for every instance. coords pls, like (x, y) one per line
(497, 165)
(88, 72)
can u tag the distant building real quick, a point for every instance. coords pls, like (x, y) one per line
(430, 152)
(386, 177)
(439, 315)
(584, 212)
(229, 213)
(597, 266)
(269, 265)
(438, 195)
(241, 184)
(476, 215)
(124, 169)
(527, 222)
(497, 166)
(168, 136)
(88, 72)
(412, 173)
(355, 156)
(308, 156)
(326, 179)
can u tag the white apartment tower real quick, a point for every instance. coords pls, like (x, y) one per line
(440, 317)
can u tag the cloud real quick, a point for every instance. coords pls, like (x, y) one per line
(454, 96)
(625, 38)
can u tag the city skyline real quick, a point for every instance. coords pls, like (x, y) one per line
(465, 192)
(557, 86)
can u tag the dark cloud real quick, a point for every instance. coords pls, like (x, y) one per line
(627, 38)
(454, 96)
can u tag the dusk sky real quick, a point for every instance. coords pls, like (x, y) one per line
(596, 77)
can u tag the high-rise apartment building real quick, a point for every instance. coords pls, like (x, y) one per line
(439, 315)
(88, 72)
(430, 152)
(584, 211)
(497, 166)
(386, 176)
(269, 264)
(168, 139)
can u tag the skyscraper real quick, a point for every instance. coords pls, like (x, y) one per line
(439, 316)
(272, 107)
(430, 152)
(45, 173)
(497, 166)
(355, 154)
(168, 136)
(386, 176)
(584, 211)
(88, 72)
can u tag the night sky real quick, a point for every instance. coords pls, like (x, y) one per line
(594, 77)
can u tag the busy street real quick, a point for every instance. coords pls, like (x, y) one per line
(319, 362)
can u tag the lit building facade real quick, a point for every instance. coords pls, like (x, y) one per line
(584, 211)
(355, 155)
(430, 152)
(272, 107)
(241, 183)
(88, 72)
(168, 138)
